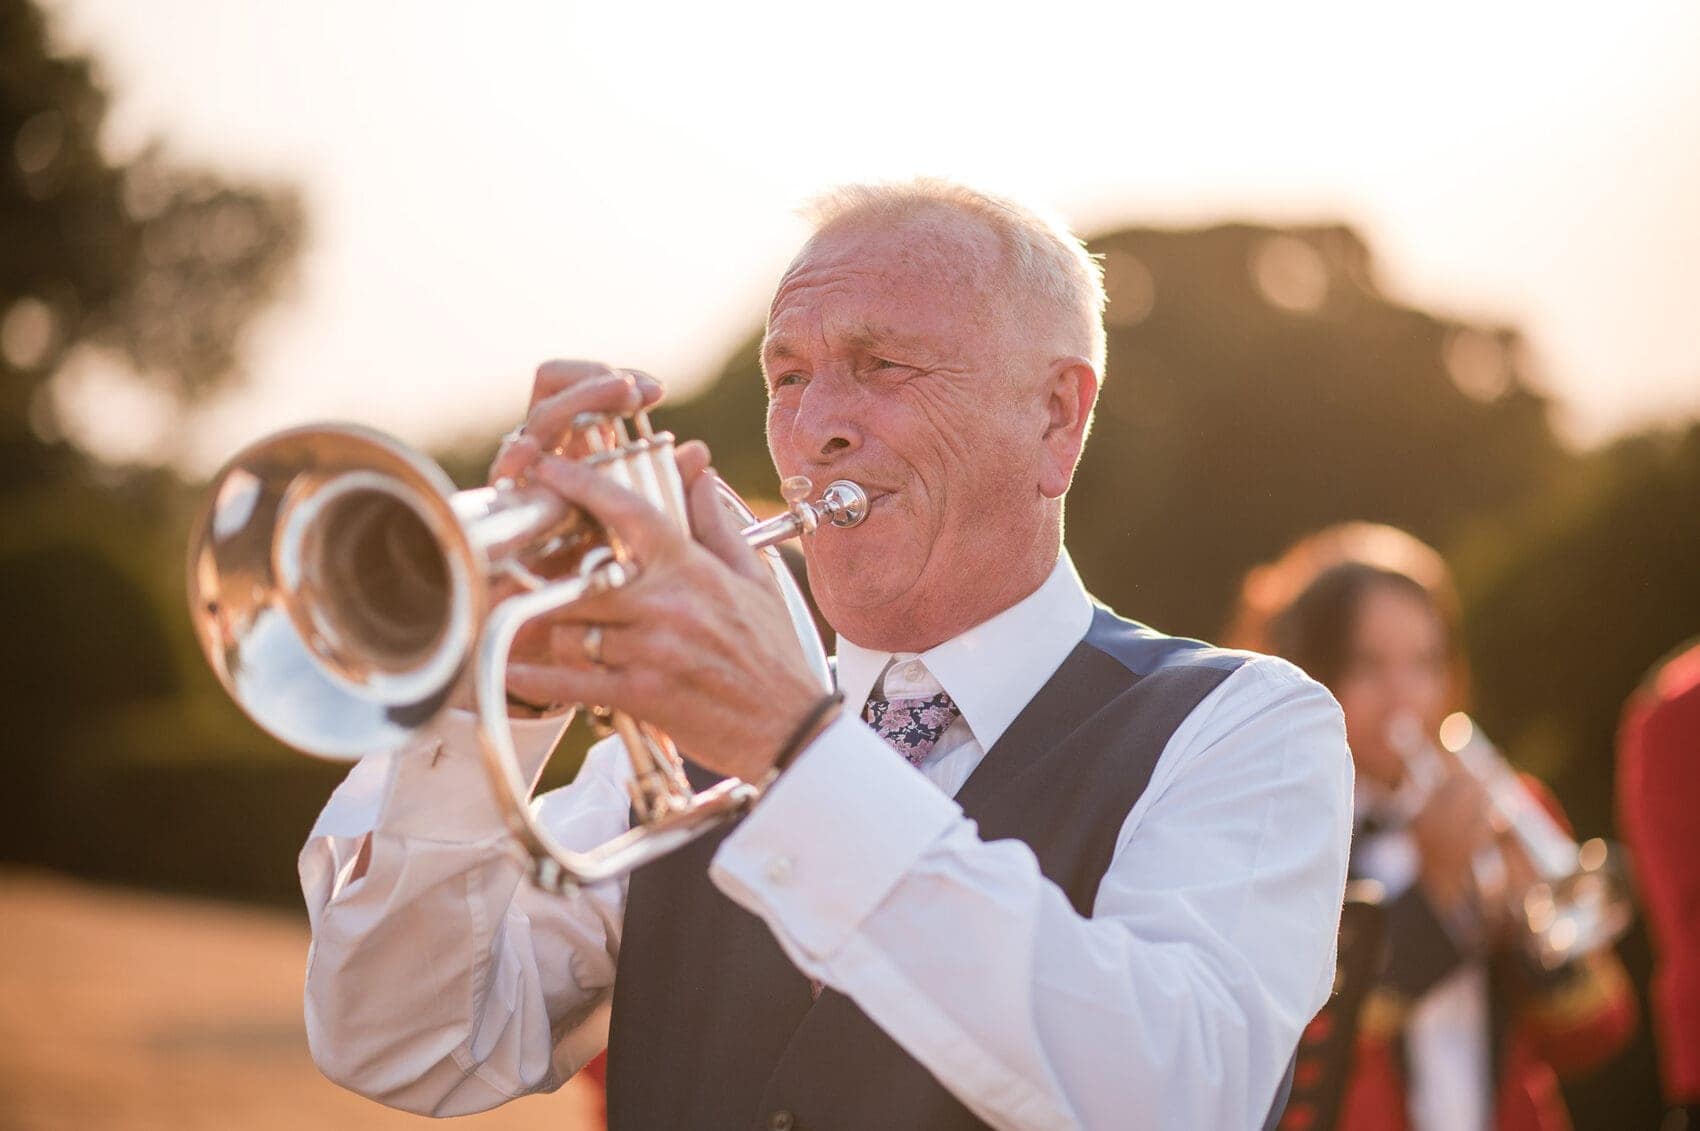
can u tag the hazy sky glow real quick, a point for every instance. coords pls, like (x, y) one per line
(490, 185)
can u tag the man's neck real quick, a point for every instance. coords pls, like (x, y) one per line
(926, 621)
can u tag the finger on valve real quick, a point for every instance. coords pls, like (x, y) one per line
(693, 459)
(559, 375)
(638, 524)
(517, 453)
(575, 388)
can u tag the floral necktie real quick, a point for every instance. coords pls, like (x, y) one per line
(912, 725)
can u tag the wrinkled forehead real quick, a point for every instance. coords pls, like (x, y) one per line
(918, 275)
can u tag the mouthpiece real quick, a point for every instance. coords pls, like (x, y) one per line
(843, 504)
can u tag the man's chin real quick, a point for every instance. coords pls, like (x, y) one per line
(858, 578)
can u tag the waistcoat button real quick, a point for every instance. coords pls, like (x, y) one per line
(781, 1120)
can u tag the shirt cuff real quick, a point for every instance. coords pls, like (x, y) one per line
(831, 838)
(441, 791)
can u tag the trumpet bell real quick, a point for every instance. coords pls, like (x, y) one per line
(1581, 912)
(333, 590)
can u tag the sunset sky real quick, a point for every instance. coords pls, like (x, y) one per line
(493, 184)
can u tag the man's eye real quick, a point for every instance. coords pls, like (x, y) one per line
(882, 363)
(785, 379)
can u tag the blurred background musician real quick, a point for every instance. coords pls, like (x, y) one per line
(1460, 1032)
(1658, 796)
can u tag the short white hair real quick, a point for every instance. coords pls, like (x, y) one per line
(1044, 259)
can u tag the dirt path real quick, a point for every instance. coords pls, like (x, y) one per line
(135, 1012)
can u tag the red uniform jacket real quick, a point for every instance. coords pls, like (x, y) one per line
(1658, 794)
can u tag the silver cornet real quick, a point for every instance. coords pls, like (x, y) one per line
(1579, 903)
(341, 586)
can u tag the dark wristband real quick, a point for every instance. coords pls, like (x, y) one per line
(794, 745)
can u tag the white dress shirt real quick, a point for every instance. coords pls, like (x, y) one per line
(439, 983)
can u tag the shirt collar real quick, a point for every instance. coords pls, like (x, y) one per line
(993, 669)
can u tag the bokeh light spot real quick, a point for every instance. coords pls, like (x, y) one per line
(28, 334)
(125, 417)
(1479, 364)
(1131, 289)
(1456, 731)
(1290, 274)
(39, 142)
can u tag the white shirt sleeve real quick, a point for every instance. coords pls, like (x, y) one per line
(1177, 1004)
(439, 982)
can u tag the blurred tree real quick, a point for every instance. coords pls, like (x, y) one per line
(1571, 598)
(162, 265)
(1262, 385)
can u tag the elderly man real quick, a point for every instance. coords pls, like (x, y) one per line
(1048, 868)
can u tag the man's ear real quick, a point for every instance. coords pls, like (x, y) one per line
(1070, 391)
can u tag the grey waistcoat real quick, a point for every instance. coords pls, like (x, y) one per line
(714, 1028)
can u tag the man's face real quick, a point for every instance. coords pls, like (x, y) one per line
(889, 362)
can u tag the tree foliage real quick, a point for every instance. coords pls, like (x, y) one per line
(160, 264)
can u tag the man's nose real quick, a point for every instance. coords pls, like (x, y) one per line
(825, 428)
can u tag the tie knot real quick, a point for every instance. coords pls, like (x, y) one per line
(911, 725)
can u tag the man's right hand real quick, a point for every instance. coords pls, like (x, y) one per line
(561, 391)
